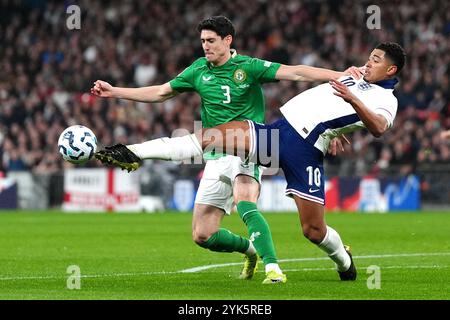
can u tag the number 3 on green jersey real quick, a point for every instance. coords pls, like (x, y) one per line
(228, 92)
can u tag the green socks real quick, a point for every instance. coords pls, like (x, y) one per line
(226, 241)
(258, 230)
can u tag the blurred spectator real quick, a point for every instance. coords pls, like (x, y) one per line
(48, 69)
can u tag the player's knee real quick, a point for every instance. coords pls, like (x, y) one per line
(249, 194)
(313, 233)
(245, 197)
(200, 238)
(245, 188)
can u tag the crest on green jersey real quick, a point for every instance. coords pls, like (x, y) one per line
(239, 76)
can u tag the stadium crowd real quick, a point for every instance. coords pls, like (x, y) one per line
(47, 70)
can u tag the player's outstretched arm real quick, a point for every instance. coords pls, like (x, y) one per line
(157, 93)
(308, 73)
(375, 123)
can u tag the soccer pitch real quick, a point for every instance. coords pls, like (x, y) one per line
(152, 256)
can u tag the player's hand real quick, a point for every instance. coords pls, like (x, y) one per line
(337, 145)
(102, 89)
(355, 72)
(342, 91)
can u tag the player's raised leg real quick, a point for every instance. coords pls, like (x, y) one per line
(315, 229)
(231, 138)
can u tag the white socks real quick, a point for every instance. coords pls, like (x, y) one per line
(251, 249)
(333, 246)
(178, 148)
(273, 266)
(270, 266)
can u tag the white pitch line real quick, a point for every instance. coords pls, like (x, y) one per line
(105, 275)
(211, 266)
(394, 255)
(364, 267)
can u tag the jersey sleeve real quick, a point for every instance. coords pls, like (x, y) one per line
(184, 82)
(263, 70)
(388, 111)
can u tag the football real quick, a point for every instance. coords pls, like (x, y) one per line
(77, 144)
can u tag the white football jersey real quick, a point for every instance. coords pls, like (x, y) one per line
(318, 115)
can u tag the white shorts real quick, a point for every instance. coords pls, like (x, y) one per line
(216, 185)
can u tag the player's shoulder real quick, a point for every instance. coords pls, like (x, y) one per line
(384, 91)
(240, 58)
(390, 96)
(247, 59)
(251, 62)
(194, 67)
(200, 63)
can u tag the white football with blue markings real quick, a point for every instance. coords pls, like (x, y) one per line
(77, 144)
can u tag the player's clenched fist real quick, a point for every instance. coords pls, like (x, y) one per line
(102, 89)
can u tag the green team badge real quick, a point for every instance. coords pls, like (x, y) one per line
(239, 76)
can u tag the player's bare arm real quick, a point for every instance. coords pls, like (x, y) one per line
(158, 93)
(308, 73)
(375, 123)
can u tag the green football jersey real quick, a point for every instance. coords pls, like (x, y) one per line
(228, 92)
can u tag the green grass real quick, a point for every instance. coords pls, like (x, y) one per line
(140, 256)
